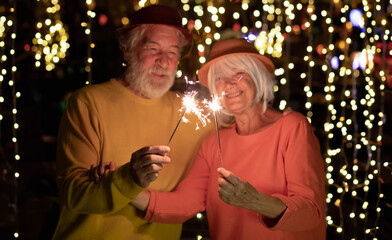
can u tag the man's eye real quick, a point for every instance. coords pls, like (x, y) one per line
(150, 47)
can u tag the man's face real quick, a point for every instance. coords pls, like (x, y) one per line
(154, 63)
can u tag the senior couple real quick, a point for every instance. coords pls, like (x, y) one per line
(118, 180)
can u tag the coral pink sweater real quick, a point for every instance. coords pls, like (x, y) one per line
(283, 160)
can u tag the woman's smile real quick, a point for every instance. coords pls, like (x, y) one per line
(233, 94)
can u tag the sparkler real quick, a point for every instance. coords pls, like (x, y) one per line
(215, 106)
(175, 129)
(191, 105)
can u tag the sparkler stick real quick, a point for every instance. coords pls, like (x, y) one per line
(219, 144)
(175, 129)
(215, 106)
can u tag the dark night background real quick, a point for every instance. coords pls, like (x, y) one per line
(44, 95)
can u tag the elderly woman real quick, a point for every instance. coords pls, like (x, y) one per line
(271, 184)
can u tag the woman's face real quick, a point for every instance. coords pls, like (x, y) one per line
(237, 90)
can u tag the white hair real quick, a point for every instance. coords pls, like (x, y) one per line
(130, 40)
(263, 80)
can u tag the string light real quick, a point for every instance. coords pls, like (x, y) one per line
(8, 70)
(50, 41)
(90, 16)
(354, 167)
(285, 71)
(354, 89)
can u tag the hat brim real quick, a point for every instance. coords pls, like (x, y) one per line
(203, 71)
(188, 36)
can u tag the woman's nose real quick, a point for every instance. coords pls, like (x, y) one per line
(233, 79)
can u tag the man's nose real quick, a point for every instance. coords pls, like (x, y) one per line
(162, 60)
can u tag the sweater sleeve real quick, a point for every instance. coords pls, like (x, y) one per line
(186, 200)
(79, 147)
(305, 172)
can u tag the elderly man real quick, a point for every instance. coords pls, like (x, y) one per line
(127, 121)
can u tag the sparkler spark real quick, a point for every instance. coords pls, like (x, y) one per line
(190, 82)
(214, 104)
(191, 105)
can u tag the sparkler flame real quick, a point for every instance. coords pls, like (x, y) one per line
(190, 104)
(190, 82)
(214, 104)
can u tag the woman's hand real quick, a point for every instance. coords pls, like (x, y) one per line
(234, 190)
(97, 171)
(240, 193)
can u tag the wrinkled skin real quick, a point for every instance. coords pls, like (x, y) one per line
(145, 165)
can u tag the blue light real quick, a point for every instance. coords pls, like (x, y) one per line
(356, 18)
(335, 62)
(251, 37)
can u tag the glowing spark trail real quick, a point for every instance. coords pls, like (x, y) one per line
(191, 105)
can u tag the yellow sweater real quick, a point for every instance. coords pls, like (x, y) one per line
(107, 122)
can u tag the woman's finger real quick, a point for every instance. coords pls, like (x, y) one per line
(229, 176)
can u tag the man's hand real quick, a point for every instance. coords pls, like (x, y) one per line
(97, 171)
(147, 162)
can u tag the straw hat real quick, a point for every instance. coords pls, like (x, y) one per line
(229, 47)
(157, 14)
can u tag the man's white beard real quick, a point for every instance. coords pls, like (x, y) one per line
(148, 86)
